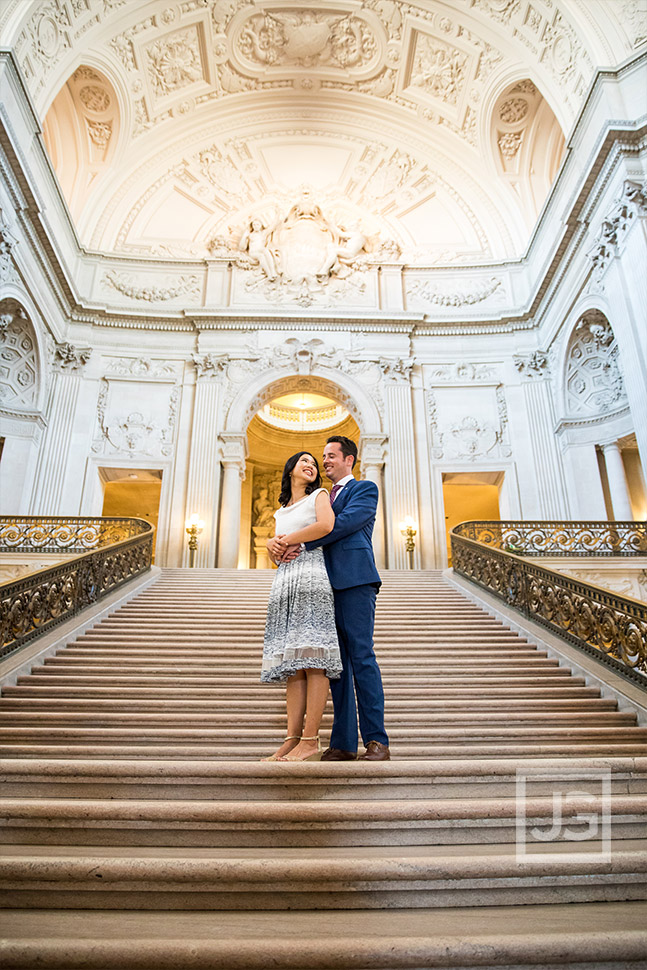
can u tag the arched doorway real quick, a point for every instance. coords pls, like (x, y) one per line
(298, 420)
(253, 443)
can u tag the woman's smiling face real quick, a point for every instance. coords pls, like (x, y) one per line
(305, 470)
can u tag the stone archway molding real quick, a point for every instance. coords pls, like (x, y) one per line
(346, 388)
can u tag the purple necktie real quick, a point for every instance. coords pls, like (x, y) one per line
(333, 494)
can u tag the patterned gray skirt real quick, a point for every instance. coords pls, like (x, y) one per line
(300, 630)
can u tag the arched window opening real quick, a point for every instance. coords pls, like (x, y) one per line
(527, 143)
(80, 132)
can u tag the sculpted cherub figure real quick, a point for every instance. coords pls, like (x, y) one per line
(255, 241)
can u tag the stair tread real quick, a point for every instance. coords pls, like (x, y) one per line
(635, 850)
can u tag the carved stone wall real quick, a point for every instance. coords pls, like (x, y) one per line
(593, 384)
(466, 422)
(19, 371)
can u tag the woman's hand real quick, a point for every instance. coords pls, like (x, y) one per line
(276, 546)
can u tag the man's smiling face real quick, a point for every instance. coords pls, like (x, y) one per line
(335, 465)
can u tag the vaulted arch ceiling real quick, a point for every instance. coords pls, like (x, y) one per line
(438, 127)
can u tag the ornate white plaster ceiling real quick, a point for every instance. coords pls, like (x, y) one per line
(436, 127)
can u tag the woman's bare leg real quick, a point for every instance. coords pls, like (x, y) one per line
(295, 700)
(317, 689)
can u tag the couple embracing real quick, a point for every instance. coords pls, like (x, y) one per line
(321, 611)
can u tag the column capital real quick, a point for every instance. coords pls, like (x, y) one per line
(533, 365)
(233, 449)
(372, 450)
(67, 358)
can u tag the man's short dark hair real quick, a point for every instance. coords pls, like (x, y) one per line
(348, 446)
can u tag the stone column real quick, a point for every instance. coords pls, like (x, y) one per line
(67, 362)
(401, 470)
(549, 472)
(233, 454)
(372, 458)
(618, 489)
(204, 471)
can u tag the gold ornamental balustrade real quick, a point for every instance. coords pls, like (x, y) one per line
(498, 557)
(102, 554)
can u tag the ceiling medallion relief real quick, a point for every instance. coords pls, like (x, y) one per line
(280, 39)
(296, 257)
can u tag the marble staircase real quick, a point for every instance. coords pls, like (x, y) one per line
(137, 816)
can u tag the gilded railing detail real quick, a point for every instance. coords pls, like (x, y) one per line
(605, 624)
(560, 538)
(109, 551)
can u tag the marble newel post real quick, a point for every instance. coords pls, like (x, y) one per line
(372, 448)
(620, 499)
(204, 472)
(67, 363)
(233, 455)
(400, 471)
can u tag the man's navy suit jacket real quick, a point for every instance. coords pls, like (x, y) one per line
(348, 549)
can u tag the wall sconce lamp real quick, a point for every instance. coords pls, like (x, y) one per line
(194, 527)
(409, 529)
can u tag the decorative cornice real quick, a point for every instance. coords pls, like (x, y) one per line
(567, 424)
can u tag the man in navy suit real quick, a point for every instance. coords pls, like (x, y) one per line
(348, 552)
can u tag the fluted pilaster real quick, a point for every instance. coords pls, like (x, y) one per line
(234, 452)
(551, 485)
(401, 471)
(372, 459)
(54, 456)
(204, 471)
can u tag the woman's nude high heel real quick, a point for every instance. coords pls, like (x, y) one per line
(291, 737)
(310, 757)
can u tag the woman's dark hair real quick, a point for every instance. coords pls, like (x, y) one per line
(286, 487)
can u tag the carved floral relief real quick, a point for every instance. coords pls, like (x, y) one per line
(311, 38)
(131, 423)
(467, 423)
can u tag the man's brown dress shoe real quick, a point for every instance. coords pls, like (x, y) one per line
(376, 751)
(336, 754)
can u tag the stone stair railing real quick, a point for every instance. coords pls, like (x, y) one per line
(497, 556)
(106, 553)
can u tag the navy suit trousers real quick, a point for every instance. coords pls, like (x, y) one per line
(355, 617)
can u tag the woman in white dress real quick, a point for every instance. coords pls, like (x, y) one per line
(301, 647)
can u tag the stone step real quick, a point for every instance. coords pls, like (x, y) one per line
(572, 689)
(240, 734)
(275, 720)
(146, 654)
(235, 751)
(229, 705)
(239, 676)
(583, 936)
(270, 824)
(358, 780)
(366, 877)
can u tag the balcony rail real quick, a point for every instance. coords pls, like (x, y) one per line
(560, 538)
(104, 554)
(608, 626)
